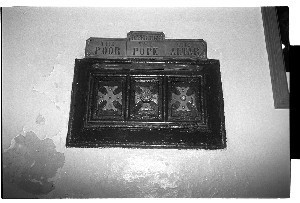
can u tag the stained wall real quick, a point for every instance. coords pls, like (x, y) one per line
(39, 46)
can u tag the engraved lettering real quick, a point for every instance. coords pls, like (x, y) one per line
(197, 51)
(145, 44)
(155, 51)
(179, 51)
(104, 50)
(148, 51)
(135, 49)
(107, 50)
(117, 50)
(185, 51)
(111, 50)
(97, 49)
(146, 37)
(172, 52)
(142, 51)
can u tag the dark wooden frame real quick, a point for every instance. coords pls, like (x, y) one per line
(207, 134)
(275, 56)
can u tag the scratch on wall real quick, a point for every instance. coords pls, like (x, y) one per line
(31, 163)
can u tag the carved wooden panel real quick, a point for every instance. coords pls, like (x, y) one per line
(147, 104)
(146, 99)
(108, 101)
(184, 99)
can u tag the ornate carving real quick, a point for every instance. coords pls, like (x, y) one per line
(183, 99)
(145, 97)
(147, 84)
(110, 97)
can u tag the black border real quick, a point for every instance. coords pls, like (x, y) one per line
(189, 135)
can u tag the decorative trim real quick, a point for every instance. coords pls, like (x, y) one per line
(206, 133)
(145, 44)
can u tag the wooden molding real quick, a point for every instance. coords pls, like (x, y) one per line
(275, 56)
(128, 122)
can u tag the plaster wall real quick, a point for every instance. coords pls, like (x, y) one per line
(39, 46)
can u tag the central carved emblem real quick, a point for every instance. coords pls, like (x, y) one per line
(110, 97)
(183, 99)
(145, 97)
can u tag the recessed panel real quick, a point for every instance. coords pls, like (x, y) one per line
(145, 99)
(108, 100)
(184, 99)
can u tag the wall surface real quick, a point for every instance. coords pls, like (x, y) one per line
(38, 51)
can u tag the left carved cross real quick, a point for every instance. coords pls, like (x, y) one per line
(110, 97)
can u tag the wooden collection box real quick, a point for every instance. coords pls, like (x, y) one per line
(157, 101)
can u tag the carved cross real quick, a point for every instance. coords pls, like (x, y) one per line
(183, 99)
(110, 97)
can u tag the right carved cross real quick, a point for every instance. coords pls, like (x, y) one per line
(183, 99)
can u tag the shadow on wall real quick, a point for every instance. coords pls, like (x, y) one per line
(30, 164)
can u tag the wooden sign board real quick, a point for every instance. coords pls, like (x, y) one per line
(140, 44)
